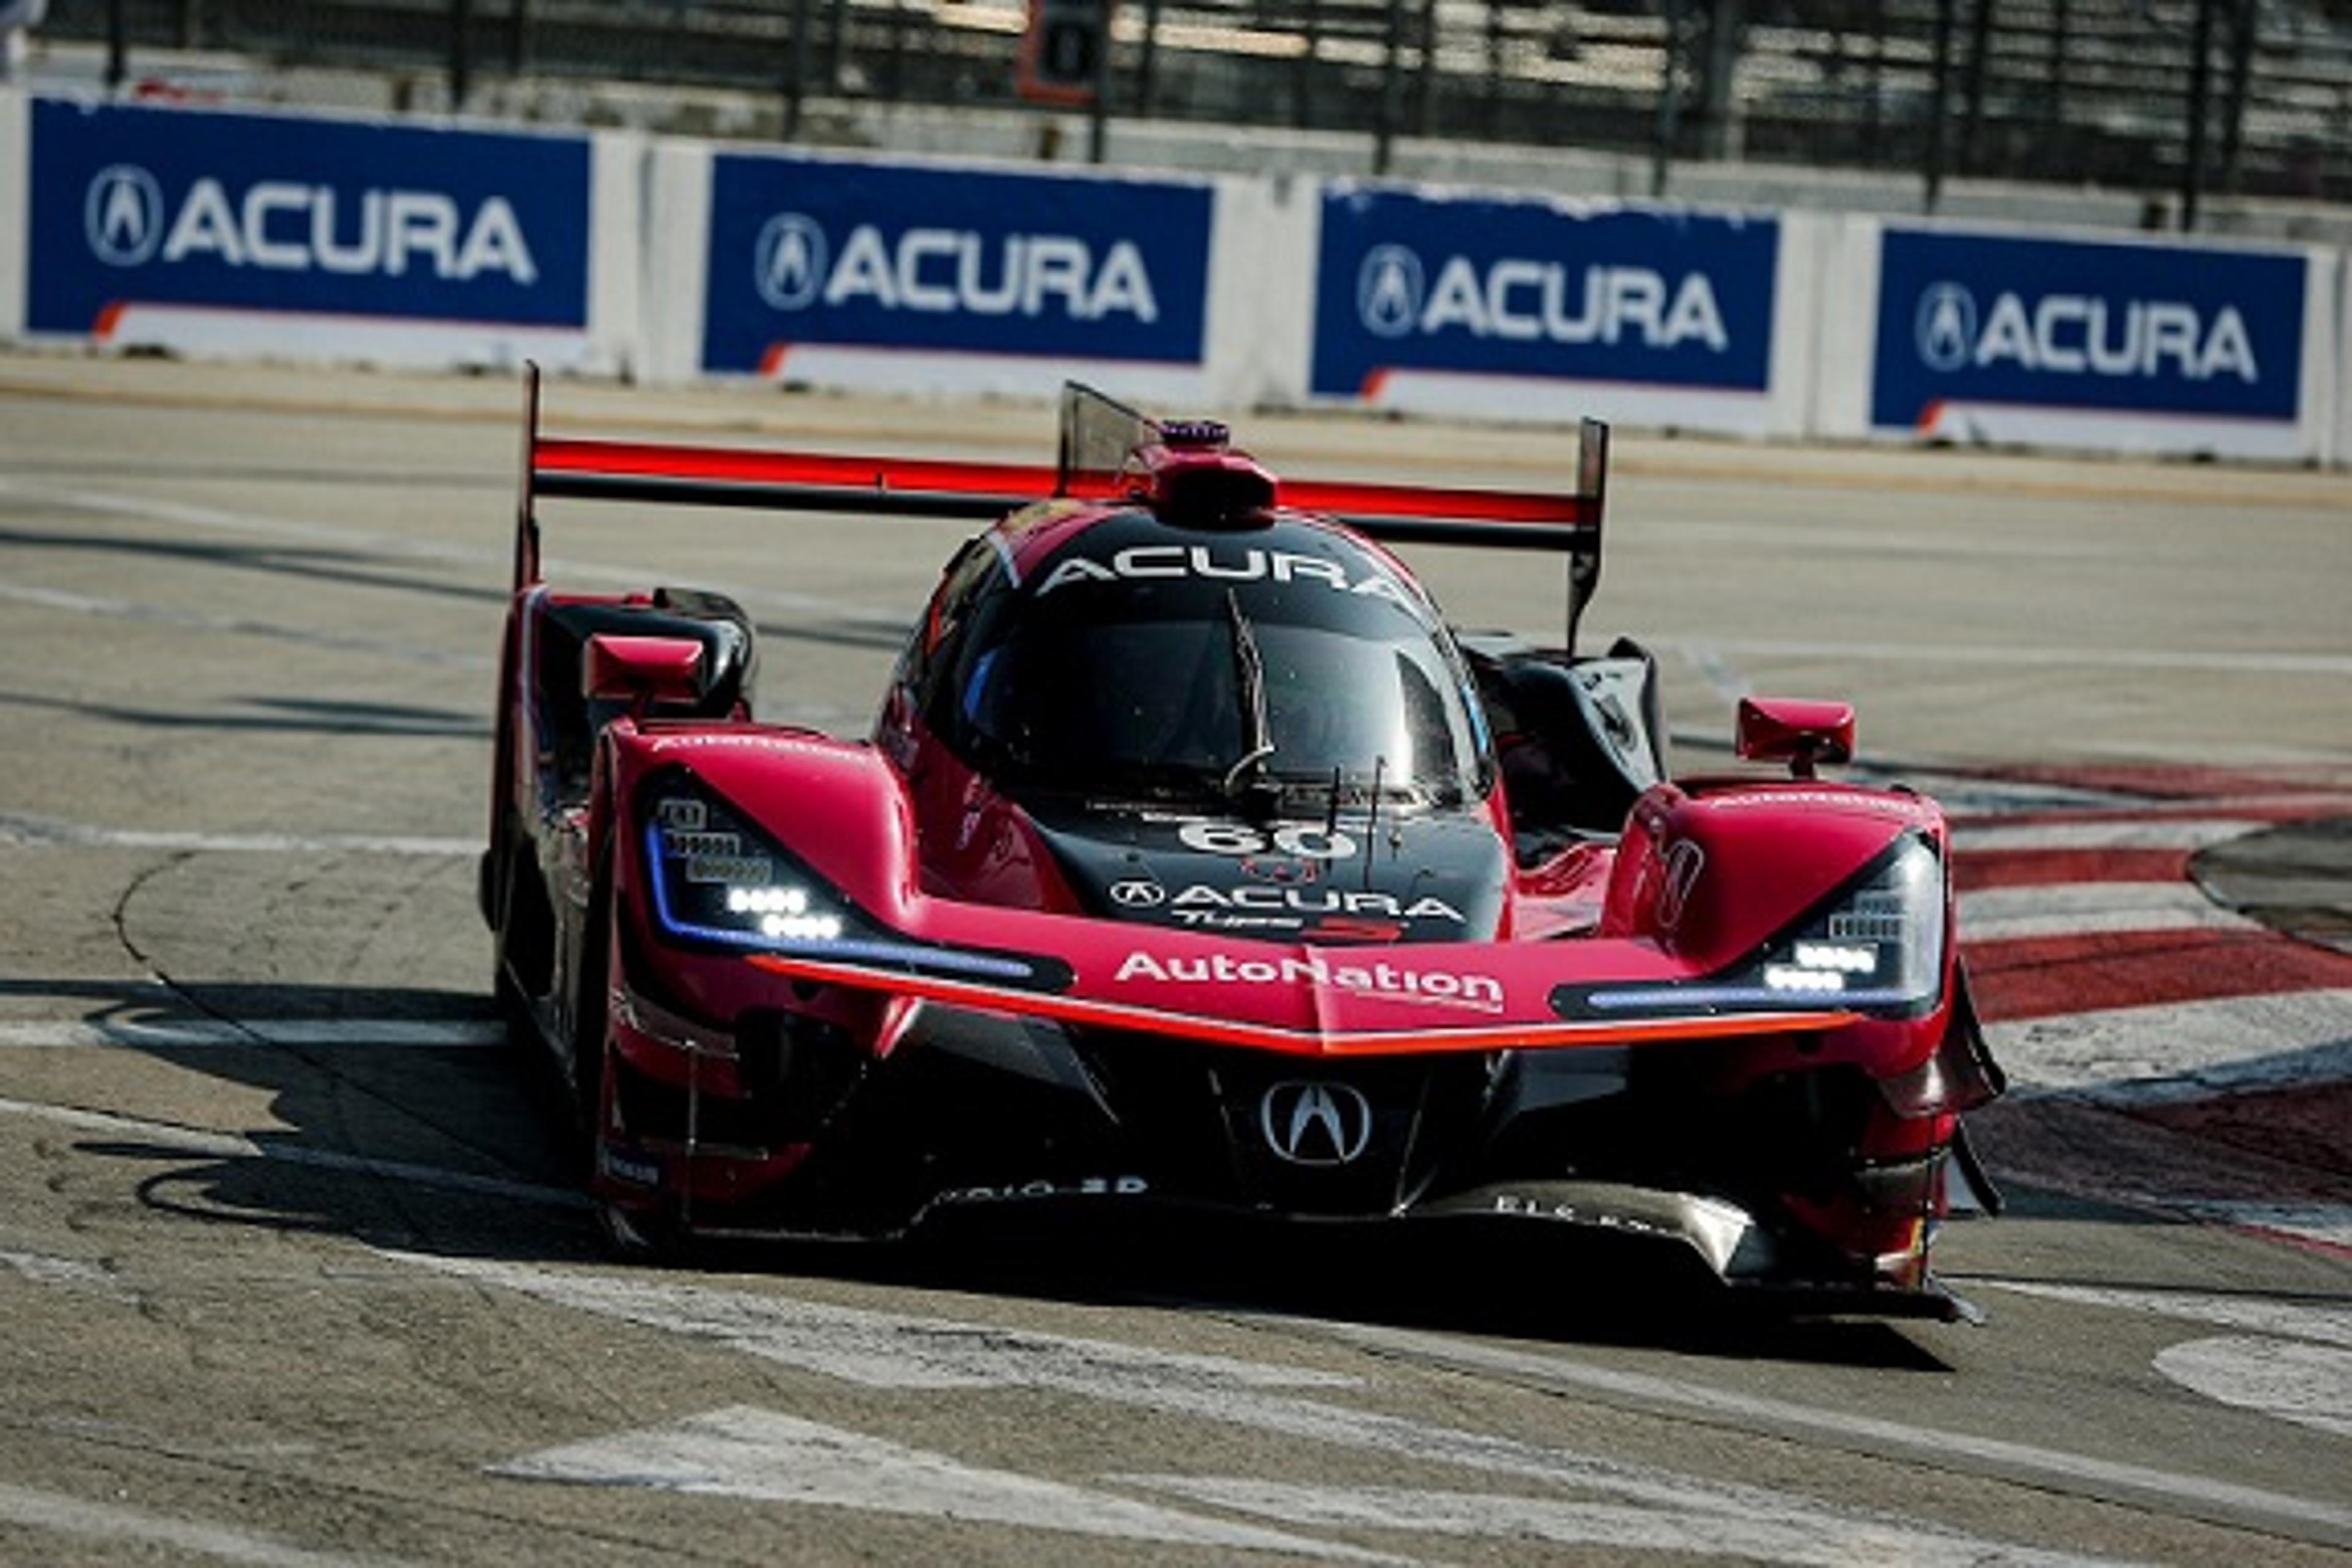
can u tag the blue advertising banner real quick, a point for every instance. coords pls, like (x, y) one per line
(1532, 288)
(2085, 325)
(808, 250)
(173, 206)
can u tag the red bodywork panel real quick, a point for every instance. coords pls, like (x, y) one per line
(946, 892)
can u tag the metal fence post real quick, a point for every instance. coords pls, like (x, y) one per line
(2053, 106)
(2192, 161)
(1098, 110)
(1384, 125)
(1972, 114)
(1491, 112)
(1424, 81)
(1302, 80)
(518, 37)
(1146, 69)
(1670, 95)
(118, 46)
(1941, 77)
(2241, 63)
(796, 78)
(461, 54)
(1724, 27)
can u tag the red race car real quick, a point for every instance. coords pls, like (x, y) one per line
(1195, 859)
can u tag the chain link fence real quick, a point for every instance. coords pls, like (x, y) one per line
(2178, 99)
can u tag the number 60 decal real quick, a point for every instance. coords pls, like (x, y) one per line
(1304, 840)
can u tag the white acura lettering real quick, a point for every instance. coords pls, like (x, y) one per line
(1316, 902)
(2077, 334)
(1381, 980)
(943, 271)
(1524, 300)
(1140, 562)
(283, 227)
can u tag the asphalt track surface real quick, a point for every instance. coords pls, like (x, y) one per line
(290, 1270)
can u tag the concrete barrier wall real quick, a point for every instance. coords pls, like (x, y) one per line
(244, 234)
(2012, 337)
(211, 232)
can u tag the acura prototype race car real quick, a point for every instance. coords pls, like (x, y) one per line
(1194, 859)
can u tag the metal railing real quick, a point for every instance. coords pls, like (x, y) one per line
(2177, 99)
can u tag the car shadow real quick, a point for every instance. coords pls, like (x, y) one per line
(436, 1139)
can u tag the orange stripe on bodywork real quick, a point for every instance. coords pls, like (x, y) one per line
(1293, 1042)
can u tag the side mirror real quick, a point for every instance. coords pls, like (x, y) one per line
(641, 672)
(1802, 734)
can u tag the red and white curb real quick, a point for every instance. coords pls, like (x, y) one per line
(2108, 976)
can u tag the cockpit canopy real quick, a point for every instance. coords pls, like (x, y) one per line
(1137, 658)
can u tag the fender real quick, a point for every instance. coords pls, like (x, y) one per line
(835, 804)
(1710, 868)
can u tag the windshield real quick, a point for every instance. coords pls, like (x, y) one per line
(1147, 672)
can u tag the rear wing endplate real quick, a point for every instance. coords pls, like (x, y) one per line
(1100, 439)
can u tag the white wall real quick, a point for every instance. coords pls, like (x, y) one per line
(15, 215)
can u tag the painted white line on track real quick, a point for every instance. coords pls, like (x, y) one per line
(2086, 908)
(2295, 1366)
(235, 1146)
(2181, 1050)
(2321, 1323)
(2190, 833)
(1960, 654)
(57, 1513)
(764, 1456)
(48, 833)
(241, 626)
(193, 1034)
(900, 1350)
(180, 514)
(1844, 1428)
(875, 1348)
(2310, 1385)
(1560, 1521)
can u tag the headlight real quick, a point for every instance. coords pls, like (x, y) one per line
(1882, 946)
(1877, 947)
(715, 878)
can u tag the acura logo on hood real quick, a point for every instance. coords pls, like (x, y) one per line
(1316, 1123)
(1136, 893)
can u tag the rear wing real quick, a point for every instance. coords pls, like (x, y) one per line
(1108, 452)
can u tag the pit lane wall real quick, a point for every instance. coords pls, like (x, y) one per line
(207, 231)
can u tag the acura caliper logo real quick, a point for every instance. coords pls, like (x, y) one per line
(1316, 1123)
